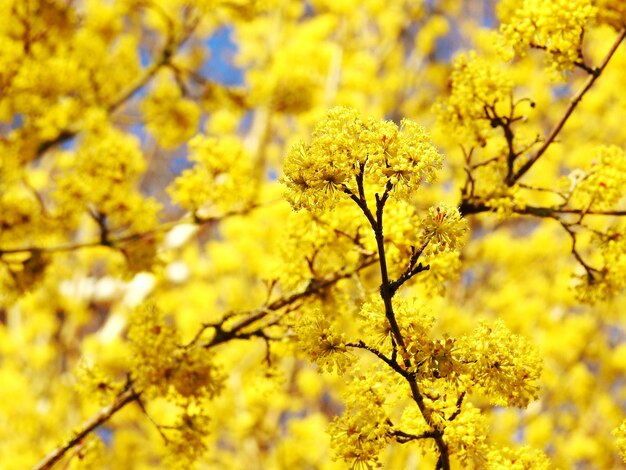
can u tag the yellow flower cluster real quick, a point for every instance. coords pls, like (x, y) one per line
(101, 179)
(56, 64)
(361, 433)
(504, 366)
(414, 319)
(466, 435)
(163, 368)
(220, 178)
(402, 232)
(321, 338)
(604, 182)
(445, 229)
(557, 27)
(93, 382)
(620, 439)
(187, 438)
(490, 186)
(19, 272)
(293, 81)
(609, 278)
(524, 458)
(612, 12)
(21, 218)
(344, 145)
(171, 118)
(444, 266)
(479, 91)
(322, 243)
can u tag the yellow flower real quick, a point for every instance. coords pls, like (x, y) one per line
(171, 118)
(221, 176)
(445, 228)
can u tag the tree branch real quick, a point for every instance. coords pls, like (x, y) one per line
(386, 294)
(570, 109)
(315, 286)
(110, 241)
(127, 396)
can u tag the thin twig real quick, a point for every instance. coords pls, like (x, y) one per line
(402, 437)
(389, 361)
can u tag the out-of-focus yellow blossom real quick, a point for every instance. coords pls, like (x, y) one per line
(294, 79)
(220, 178)
(608, 275)
(162, 367)
(170, 117)
(602, 185)
(93, 382)
(620, 439)
(101, 179)
(426, 38)
(21, 220)
(612, 12)
(523, 458)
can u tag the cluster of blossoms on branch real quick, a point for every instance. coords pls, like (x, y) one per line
(223, 241)
(374, 163)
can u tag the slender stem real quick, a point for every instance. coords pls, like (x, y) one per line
(412, 269)
(443, 463)
(402, 437)
(389, 361)
(386, 292)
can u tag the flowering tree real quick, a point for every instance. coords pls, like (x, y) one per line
(391, 236)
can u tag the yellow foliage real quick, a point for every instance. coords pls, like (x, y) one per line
(312, 234)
